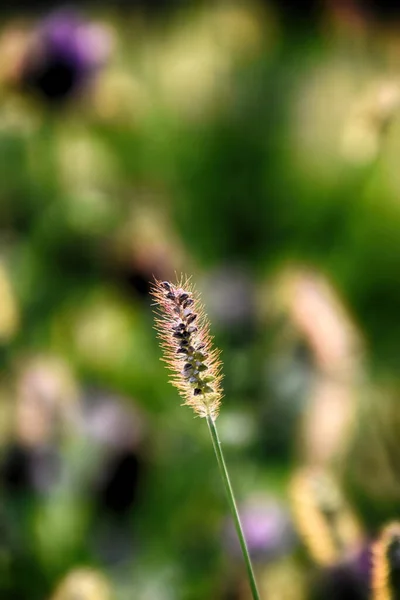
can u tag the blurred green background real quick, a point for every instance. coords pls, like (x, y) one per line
(255, 146)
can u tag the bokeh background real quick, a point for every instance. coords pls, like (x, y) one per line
(255, 146)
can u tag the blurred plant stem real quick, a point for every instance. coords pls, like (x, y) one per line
(232, 503)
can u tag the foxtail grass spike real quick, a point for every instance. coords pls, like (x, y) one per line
(325, 522)
(184, 331)
(386, 564)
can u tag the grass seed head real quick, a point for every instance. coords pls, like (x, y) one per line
(386, 563)
(184, 331)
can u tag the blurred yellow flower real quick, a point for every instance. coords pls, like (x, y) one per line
(83, 584)
(9, 314)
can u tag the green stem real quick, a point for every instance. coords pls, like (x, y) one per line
(232, 503)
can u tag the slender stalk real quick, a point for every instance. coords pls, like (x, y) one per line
(232, 503)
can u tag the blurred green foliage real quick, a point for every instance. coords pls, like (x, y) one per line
(224, 142)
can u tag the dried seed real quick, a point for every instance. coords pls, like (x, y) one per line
(184, 332)
(182, 297)
(187, 303)
(192, 317)
(178, 335)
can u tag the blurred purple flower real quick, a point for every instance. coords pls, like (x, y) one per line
(63, 55)
(267, 528)
(117, 429)
(230, 297)
(350, 579)
(362, 562)
(111, 421)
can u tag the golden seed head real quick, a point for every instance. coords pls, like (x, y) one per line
(184, 331)
(386, 561)
(323, 519)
